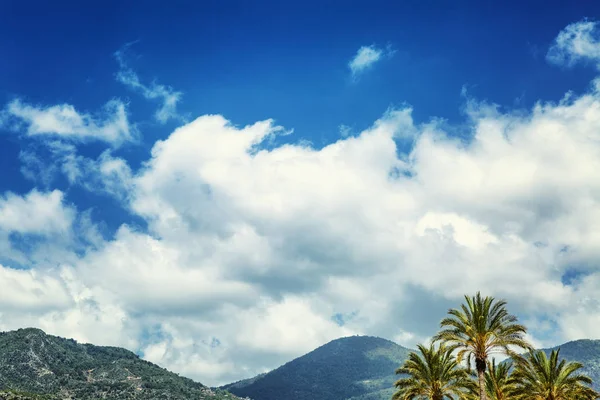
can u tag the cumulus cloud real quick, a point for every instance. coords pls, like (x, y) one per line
(35, 213)
(65, 122)
(56, 301)
(42, 230)
(165, 94)
(252, 251)
(579, 41)
(335, 225)
(366, 57)
(240, 236)
(30, 290)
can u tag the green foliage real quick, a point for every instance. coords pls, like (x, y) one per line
(17, 395)
(31, 361)
(550, 378)
(480, 328)
(433, 373)
(356, 368)
(476, 330)
(498, 381)
(586, 352)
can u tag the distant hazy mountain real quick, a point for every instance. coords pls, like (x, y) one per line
(357, 368)
(34, 362)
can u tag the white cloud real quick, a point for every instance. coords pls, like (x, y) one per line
(244, 237)
(41, 230)
(65, 122)
(36, 169)
(579, 41)
(169, 97)
(295, 323)
(105, 174)
(57, 302)
(365, 57)
(243, 242)
(35, 213)
(148, 274)
(30, 290)
(333, 225)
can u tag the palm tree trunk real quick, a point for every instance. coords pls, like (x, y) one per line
(480, 365)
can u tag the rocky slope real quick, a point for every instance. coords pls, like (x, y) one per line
(34, 362)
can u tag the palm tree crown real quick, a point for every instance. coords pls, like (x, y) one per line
(480, 328)
(540, 377)
(433, 374)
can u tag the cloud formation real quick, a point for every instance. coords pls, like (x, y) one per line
(252, 256)
(266, 239)
(35, 213)
(365, 58)
(165, 94)
(65, 122)
(579, 41)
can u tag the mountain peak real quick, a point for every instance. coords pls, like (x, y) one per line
(363, 339)
(340, 369)
(28, 331)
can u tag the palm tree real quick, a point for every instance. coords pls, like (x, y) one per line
(480, 328)
(541, 378)
(433, 374)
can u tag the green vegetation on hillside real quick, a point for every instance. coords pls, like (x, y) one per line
(17, 395)
(36, 366)
(33, 362)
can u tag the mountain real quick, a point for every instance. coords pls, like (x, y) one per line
(34, 365)
(56, 368)
(356, 367)
(585, 351)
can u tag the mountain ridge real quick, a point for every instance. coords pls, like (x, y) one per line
(32, 361)
(35, 365)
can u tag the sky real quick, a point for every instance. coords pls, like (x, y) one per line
(222, 186)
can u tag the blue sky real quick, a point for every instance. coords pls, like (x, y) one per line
(279, 60)
(173, 171)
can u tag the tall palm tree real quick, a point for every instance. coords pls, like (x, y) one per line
(433, 374)
(540, 377)
(480, 328)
